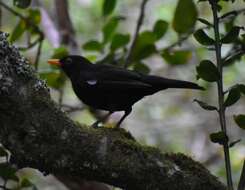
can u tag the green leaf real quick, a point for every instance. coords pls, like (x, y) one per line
(240, 120)
(26, 183)
(22, 3)
(178, 57)
(203, 38)
(119, 40)
(185, 16)
(241, 88)
(141, 68)
(93, 45)
(18, 31)
(160, 28)
(34, 15)
(233, 143)
(55, 79)
(7, 172)
(231, 36)
(208, 71)
(34, 19)
(233, 96)
(218, 137)
(206, 22)
(60, 52)
(3, 152)
(205, 106)
(144, 52)
(109, 28)
(232, 59)
(144, 46)
(108, 6)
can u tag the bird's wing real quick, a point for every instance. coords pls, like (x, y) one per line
(110, 79)
(122, 86)
(111, 73)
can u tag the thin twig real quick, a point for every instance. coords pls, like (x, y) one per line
(35, 27)
(31, 45)
(61, 95)
(22, 17)
(138, 25)
(222, 118)
(241, 184)
(39, 49)
(12, 10)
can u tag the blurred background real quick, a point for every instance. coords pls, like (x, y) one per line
(169, 120)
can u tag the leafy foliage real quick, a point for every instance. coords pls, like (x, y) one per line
(219, 137)
(8, 173)
(108, 7)
(22, 3)
(240, 120)
(203, 38)
(205, 105)
(177, 57)
(208, 71)
(184, 24)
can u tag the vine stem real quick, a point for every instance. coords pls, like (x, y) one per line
(222, 118)
(137, 30)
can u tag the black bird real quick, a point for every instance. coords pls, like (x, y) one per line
(111, 88)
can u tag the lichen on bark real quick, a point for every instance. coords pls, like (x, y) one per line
(39, 135)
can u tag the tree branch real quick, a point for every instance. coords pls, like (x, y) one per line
(41, 136)
(65, 26)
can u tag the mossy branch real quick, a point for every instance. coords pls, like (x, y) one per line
(39, 135)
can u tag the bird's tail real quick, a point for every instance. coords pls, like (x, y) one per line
(164, 83)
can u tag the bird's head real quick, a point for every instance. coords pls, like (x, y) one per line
(71, 64)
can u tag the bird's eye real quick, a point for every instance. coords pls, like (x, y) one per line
(68, 61)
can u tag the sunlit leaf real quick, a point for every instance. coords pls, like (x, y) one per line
(203, 38)
(34, 15)
(7, 172)
(208, 71)
(22, 3)
(109, 6)
(185, 16)
(110, 27)
(119, 40)
(205, 106)
(141, 68)
(240, 120)
(55, 79)
(232, 35)
(218, 137)
(233, 96)
(60, 52)
(18, 31)
(93, 45)
(178, 57)
(160, 28)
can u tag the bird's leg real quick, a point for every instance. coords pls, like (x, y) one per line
(126, 113)
(95, 124)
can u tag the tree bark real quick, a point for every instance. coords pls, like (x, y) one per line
(39, 135)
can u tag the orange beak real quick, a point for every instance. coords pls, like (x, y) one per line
(54, 62)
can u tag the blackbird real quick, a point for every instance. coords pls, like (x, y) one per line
(111, 88)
